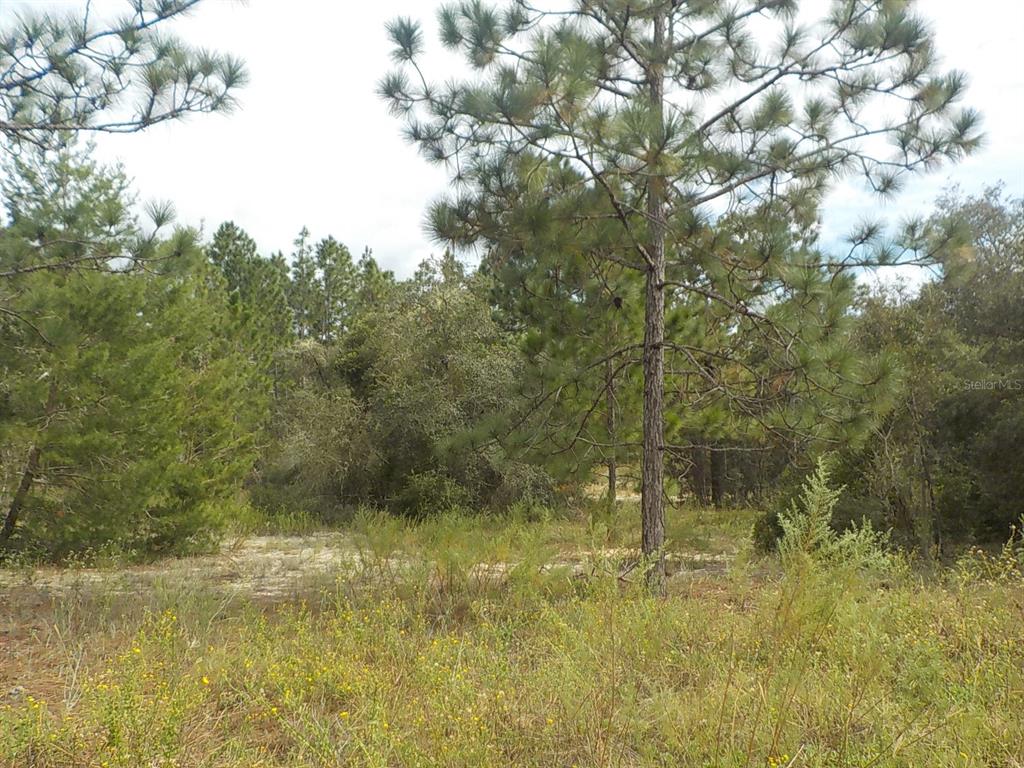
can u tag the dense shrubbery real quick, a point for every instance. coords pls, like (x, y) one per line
(155, 391)
(401, 410)
(943, 465)
(148, 379)
(938, 464)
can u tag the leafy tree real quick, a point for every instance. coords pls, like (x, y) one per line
(438, 376)
(67, 73)
(675, 111)
(942, 465)
(320, 446)
(981, 295)
(401, 411)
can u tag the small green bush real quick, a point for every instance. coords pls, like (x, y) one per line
(767, 532)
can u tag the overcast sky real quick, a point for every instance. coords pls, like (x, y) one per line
(312, 144)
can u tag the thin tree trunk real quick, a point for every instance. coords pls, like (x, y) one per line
(933, 512)
(933, 541)
(652, 490)
(699, 475)
(717, 478)
(28, 476)
(610, 420)
(653, 477)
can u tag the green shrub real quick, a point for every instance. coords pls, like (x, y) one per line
(809, 542)
(767, 531)
(401, 411)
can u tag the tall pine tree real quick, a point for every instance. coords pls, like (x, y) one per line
(676, 111)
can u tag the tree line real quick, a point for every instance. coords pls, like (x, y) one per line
(652, 303)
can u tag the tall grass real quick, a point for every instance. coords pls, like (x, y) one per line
(457, 643)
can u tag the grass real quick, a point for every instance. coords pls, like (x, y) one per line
(475, 642)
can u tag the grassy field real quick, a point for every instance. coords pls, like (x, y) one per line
(513, 643)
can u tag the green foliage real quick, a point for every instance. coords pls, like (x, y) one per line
(674, 156)
(1003, 567)
(810, 543)
(766, 532)
(128, 413)
(430, 492)
(574, 312)
(942, 465)
(258, 289)
(322, 293)
(67, 72)
(616, 165)
(401, 410)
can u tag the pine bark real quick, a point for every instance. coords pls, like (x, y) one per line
(652, 496)
(28, 476)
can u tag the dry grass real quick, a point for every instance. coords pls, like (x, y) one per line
(470, 643)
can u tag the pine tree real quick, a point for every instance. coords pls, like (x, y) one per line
(562, 291)
(373, 284)
(259, 291)
(304, 292)
(322, 289)
(337, 274)
(130, 413)
(61, 74)
(675, 111)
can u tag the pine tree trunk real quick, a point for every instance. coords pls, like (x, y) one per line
(717, 478)
(610, 420)
(652, 481)
(652, 495)
(28, 476)
(699, 475)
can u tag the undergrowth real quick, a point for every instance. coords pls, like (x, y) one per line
(469, 644)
